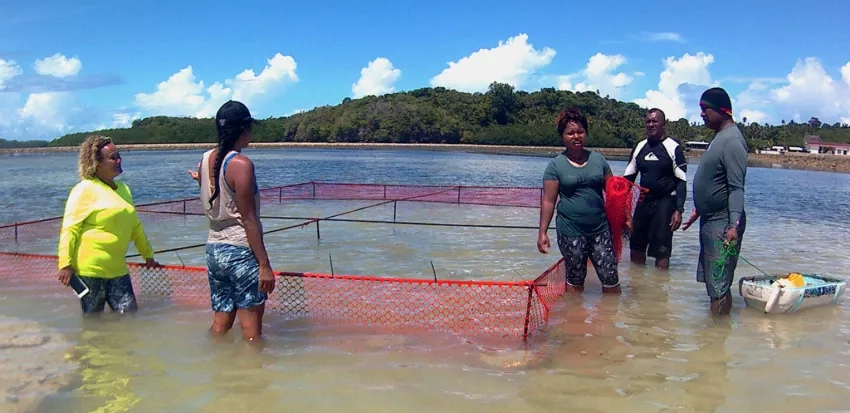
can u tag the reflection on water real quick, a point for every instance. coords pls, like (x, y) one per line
(655, 348)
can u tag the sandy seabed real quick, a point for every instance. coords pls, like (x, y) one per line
(33, 363)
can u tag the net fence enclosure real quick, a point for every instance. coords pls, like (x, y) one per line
(466, 307)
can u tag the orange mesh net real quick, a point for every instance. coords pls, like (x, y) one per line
(503, 308)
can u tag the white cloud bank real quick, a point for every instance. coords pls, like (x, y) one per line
(182, 95)
(377, 78)
(809, 89)
(512, 62)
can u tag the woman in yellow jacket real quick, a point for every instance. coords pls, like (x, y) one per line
(100, 221)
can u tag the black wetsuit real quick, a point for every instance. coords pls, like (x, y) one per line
(663, 173)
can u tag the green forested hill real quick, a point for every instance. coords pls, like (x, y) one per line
(502, 116)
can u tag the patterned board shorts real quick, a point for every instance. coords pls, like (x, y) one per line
(717, 274)
(117, 292)
(599, 248)
(234, 276)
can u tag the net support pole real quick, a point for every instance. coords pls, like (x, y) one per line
(385, 191)
(16, 233)
(395, 206)
(280, 195)
(184, 207)
(528, 311)
(458, 194)
(318, 232)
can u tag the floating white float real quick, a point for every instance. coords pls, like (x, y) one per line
(774, 294)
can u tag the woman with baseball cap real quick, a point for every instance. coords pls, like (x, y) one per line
(238, 267)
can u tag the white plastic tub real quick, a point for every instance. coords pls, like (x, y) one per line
(760, 293)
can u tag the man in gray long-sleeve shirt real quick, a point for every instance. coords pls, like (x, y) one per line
(719, 200)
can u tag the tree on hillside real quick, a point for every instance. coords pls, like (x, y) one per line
(502, 115)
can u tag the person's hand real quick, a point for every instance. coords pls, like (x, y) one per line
(194, 174)
(64, 276)
(731, 235)
(543, 243)
(266, 279)
(629, 225)
(690, 220)
(151, 263)
(675, 220)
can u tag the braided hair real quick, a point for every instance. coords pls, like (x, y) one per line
(228, 135)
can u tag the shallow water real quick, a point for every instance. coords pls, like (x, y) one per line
(655, 348)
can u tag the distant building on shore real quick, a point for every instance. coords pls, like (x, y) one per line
(698, 145)
(814, 144)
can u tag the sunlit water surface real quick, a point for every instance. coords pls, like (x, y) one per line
(654, 348)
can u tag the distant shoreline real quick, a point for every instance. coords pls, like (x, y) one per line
(490, 149)
(811, 162)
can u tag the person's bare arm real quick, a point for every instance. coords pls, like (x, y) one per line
(547, 209)
(240, 177)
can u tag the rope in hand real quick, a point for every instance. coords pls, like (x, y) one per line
(724, 250)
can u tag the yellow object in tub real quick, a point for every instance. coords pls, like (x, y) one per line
(796, 279)
(793, 280)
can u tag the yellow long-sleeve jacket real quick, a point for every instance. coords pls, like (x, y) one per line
(97, 227)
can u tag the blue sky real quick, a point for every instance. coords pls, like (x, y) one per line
(67, 68)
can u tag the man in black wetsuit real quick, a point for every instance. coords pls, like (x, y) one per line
(661, 163)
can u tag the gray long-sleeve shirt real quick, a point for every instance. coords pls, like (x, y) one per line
(719, 180)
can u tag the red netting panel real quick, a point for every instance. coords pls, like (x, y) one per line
(24, 232)
(279, 193)
(547, 288)
(159, 211)
(464, 307)
(346, 191)
(500, 196)
(29, 231)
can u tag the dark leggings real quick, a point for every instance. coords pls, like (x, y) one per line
(599, 248)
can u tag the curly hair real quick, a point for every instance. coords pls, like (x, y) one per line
(90, 155)
(570, 114)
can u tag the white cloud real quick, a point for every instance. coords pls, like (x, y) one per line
(811, 92)
(8, 69)
(178, 95)
(689, 70)
(377, 78)
(120, 120)
(58, 65)
(42, 116)
(511, 62)
(48, 111)
(124, 120)
(599, 75)
(182, 95)
(753, 116)
(662, 37)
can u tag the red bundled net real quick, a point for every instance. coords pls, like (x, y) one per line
(619, 203)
